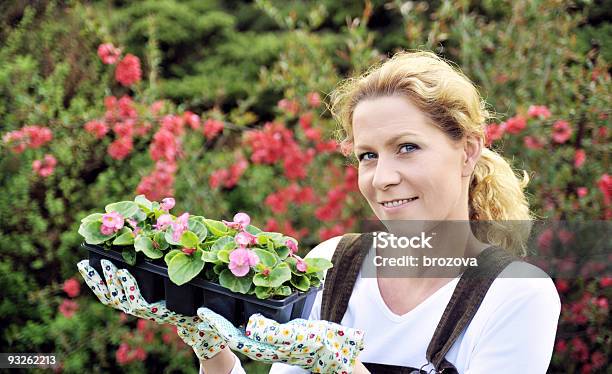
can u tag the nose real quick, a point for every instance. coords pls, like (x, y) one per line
(386, 174)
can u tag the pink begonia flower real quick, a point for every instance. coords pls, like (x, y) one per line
(108, 53)
(538, 111)
(134, 225)
(241, 220)
(241, 260)
(301, 264)
(291, 245)
(167, 204)
(163, 221)
(106, 230)
(114, 220)
(245, 238)
(180, 226)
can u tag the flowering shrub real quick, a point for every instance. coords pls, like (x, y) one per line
(241, 257)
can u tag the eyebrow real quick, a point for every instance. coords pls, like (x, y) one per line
(389, 142)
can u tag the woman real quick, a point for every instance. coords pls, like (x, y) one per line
(416, 127)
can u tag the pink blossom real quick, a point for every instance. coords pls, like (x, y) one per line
(582, 191)
(72, 287)
(106, 230)
(44, 167)
(493, 132)
(217, 177)
(314, 100)
(289, 106)
(605, 186)
(163, 221)
(120, 148)
(532, 142)
(291, 245)
(113, 220)
(540, 111)
(192, 119)
(128, 70)
(212, 128)
(241, 259)
(68, 308)
(156, 107)
(240, 221)
(108, 53)
(579, 157)
(180, 226)
(516, 124)
(167, 204)
(97, 128)
(245, 238)
(561, 132)
(306, 120)
(301, 264)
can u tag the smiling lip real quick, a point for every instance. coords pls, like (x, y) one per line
(401, 205)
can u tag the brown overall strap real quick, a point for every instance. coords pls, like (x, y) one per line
(341, 278)
(464, 303)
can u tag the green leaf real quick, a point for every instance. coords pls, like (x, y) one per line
(292, 262)
(315, 282)
(252, 229)
(168, 236)
(91, 232)
(144, 244)
(217, 228)
(126, 208)
(218, 268)
(126, 237)
(189, 240)
(210, 256)
(267, 258)
(317, 264)
(279, 275)
(183, 268)
(170, 255)
(283, 291)
(283, 252)
(263, 292)
(144, 203)
(198, 227)
(300, 282)
(160, 239)
(223, 255)
(140, 215)
(237, 284)
(129, 255)
(226, 242)
(93, 217)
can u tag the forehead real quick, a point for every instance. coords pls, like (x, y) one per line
(375, 120)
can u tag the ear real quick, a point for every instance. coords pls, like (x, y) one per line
(472, 148)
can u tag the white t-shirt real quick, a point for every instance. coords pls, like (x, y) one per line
(513, 330)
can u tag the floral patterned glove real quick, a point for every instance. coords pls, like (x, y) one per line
(318, 346)
(121, 292)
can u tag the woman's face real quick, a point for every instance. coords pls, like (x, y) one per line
(402, 156)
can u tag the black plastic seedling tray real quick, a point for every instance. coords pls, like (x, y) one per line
(155, 285)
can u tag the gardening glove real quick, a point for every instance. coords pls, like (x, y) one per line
(121, 292)
(314, 345)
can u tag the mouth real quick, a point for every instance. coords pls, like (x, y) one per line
(394, 204)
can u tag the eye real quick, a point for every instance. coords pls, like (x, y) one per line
(412, 147)
(361, 156)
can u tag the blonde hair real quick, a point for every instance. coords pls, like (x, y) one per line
(452, 103)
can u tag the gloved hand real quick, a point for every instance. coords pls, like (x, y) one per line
(318, 346)
(121, 292)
